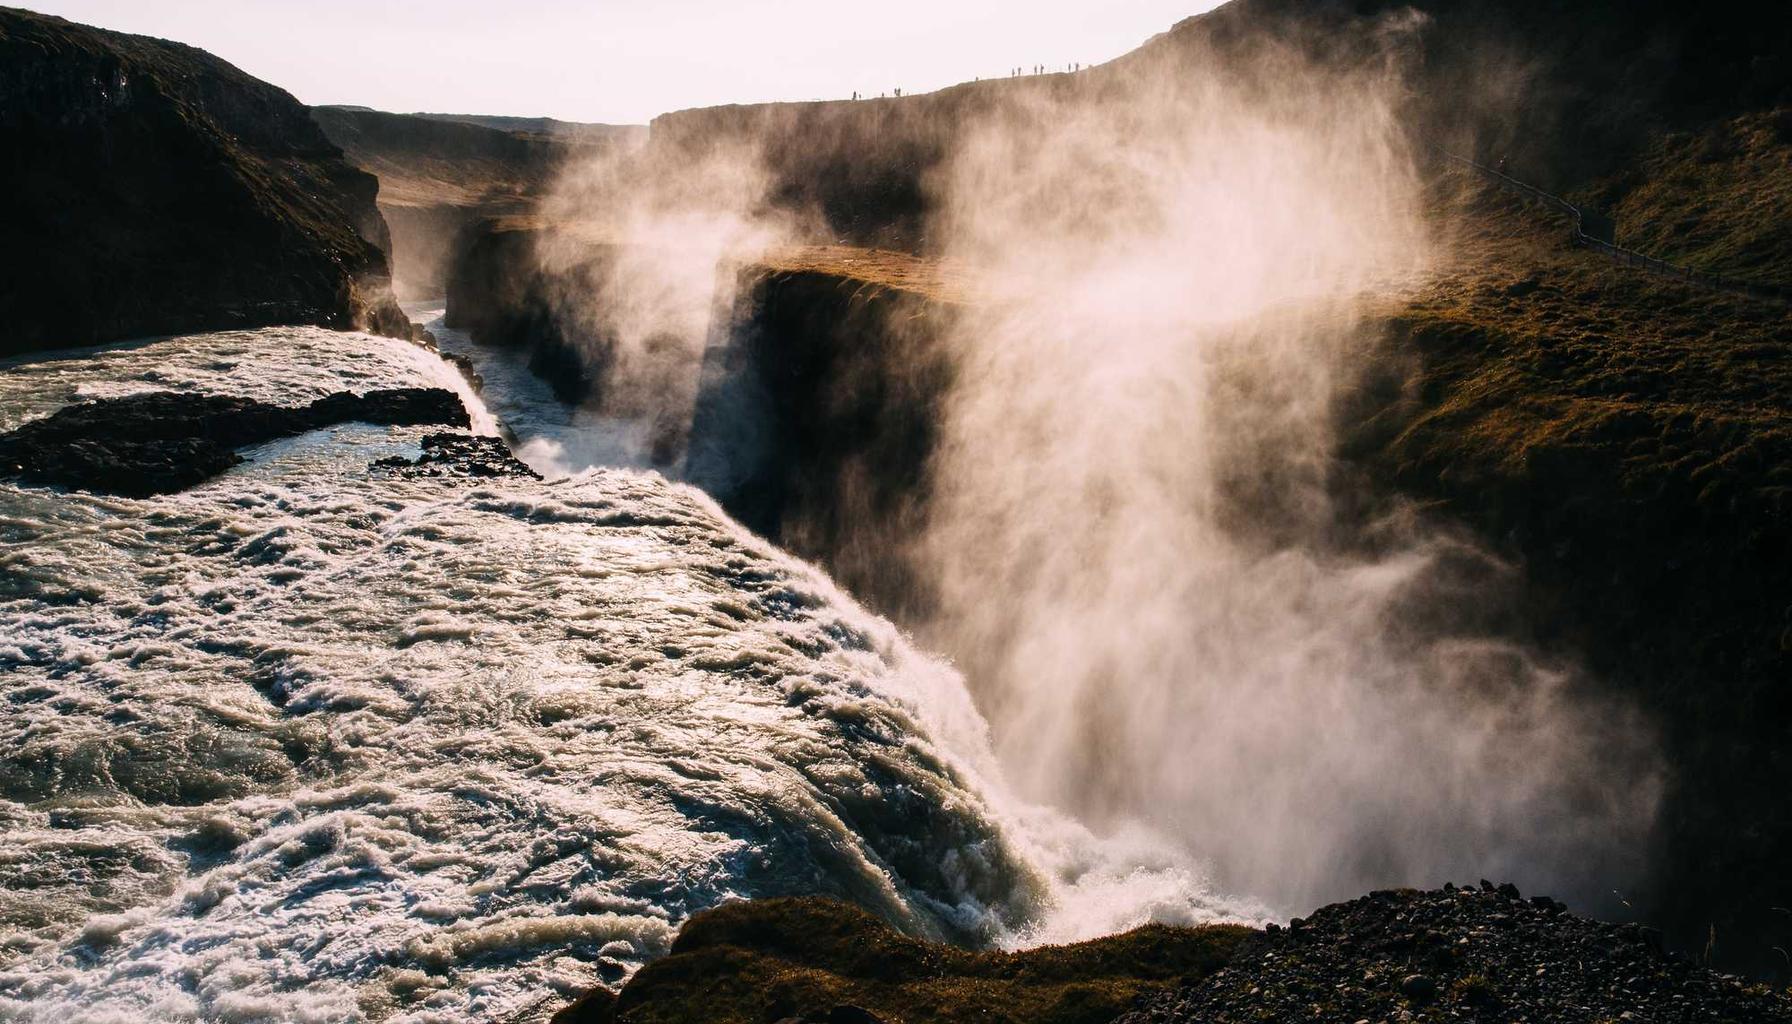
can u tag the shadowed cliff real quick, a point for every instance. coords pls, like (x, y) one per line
(440, 173)
(151, 188)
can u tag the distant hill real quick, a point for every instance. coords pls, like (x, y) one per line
(439, 172)
(570, 131)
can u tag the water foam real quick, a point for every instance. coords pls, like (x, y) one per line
(306, 744)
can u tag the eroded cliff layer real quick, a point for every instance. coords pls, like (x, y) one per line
(151, 188)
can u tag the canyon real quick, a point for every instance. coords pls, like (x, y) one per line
(1182, 493)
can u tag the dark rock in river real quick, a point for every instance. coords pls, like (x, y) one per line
(163, 442)
(458, 455)
(150, 188)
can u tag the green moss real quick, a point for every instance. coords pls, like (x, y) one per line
(764, 960)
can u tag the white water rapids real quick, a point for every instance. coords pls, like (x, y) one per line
(308, 744)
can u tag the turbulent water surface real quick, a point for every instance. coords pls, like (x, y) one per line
(312, 743)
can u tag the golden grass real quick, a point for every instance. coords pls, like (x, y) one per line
(1718, 200)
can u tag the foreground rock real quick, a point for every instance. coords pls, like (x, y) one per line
(817, 960)
(163, 442)
(1461, 954)
(151, 188)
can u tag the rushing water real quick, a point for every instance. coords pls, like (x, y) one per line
(309, 743)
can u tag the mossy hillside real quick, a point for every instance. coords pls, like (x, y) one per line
(749, 963)
(1718, 200)
(1628, 439)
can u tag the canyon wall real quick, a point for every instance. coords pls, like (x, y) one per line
(151, 188)
(440, 174)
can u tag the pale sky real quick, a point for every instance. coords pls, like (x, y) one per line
(624, 62)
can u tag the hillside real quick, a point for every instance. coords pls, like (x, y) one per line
(1633, 107)
(1624, 437)
(151, 188)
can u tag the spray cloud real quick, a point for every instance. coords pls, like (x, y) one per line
(638, 250)
(1141, 557)
(1139, 545)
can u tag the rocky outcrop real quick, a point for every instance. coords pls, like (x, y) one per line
(1472, 954)
(457, 455)
(164, 441)
(150, 188)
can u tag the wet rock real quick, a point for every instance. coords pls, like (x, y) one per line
(163, 442)
(458, 455)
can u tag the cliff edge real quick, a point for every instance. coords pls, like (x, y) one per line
(150, 188)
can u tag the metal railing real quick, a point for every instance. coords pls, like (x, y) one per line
(1619, 254)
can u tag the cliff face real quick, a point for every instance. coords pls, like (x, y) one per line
(816, 417)
(818, 397)
(439, 174)
(151, 188)
(499, 293)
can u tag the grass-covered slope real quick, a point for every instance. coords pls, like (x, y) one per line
(814, 959)
(1628, 438)
(150, 188)
(1718, 200)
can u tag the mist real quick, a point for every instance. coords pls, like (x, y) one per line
(1149, 563)
(1184, 621)
(639, 256)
